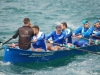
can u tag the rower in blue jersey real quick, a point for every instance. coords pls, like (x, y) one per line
(99, 20)
(82, 34)
(68, 32)
(57, 37)
(38, 40)
(95, 30)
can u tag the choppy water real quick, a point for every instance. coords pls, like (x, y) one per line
(46, 14)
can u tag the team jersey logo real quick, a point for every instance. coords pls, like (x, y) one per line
(26, 32)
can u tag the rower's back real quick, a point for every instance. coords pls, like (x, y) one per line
(25, 34)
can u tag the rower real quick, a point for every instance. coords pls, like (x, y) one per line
(38, 40)
(99, 20)
(25, 33)
(81, 33)
(67, 31)
(95, 30)
(58, 37)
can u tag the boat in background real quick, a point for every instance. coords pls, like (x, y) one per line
(15, 55)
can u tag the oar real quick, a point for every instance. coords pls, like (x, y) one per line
(5, 42)
(90, 40)
(84, 50)
(84, 38)
(96, 37)
(47, 41)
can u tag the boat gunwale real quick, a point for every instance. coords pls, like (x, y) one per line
(49, 51)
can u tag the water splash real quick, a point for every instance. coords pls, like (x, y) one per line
(2, 63)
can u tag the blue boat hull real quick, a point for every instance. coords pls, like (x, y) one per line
(16, 55)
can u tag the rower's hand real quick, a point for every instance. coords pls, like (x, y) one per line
(92, 34)
(13, 45)
(30, 24)
(51, 42)
(74, 35)
(80, 36)
(35, 40)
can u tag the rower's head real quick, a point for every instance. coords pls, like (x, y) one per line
(58, 29)
(64, 25)
(99, 20)
(96, 23)
(85, 23)
(35, 29)
(27, 21)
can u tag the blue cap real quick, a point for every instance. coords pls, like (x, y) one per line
(84, 22)
(96, 21)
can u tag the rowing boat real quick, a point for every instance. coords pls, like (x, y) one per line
(15, 55)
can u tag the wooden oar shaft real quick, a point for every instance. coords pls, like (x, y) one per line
(7, 41)
(14, 42)
(88, 51)
(85, 38)
(80, 49)
(96, 37)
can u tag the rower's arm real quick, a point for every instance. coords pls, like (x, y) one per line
(97, 34)
(69, 33)
(85, 35)
(90, 30)
(32, 34)
(78, 30)
(61, 37)
(50, 35)
(16, 34)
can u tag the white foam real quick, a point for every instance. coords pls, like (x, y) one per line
(1, 73)
(2, 63)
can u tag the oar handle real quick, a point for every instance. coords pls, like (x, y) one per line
(55, 43)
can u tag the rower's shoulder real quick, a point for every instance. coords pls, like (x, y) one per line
(42, 33)
(92, 27)
(24, 27)
(63, 33)
(53, 32)
(68, 29)
(79, 28)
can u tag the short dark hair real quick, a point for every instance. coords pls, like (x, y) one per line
(26, 20)
(64, 24)
(36, 26)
